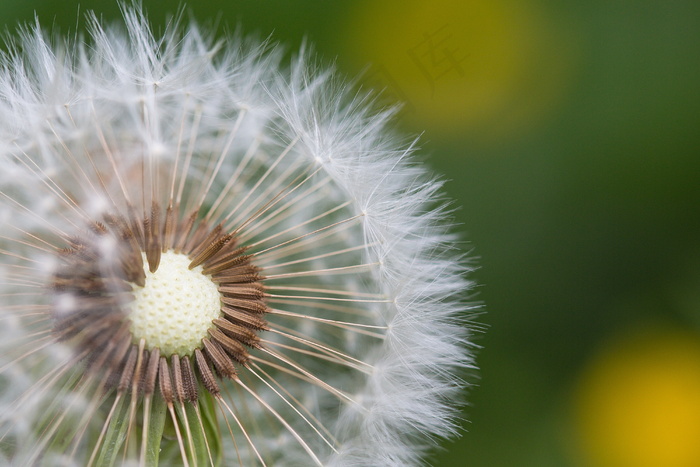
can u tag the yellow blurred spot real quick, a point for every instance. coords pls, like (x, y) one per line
(639, 403)
(487, 67)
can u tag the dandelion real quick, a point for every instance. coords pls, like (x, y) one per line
(209, 260)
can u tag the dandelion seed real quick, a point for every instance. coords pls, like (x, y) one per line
(209, 260)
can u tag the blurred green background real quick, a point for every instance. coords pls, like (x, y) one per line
(569, 134)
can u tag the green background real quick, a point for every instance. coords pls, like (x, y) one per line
(568, 133)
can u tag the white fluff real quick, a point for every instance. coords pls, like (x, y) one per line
(150, 101)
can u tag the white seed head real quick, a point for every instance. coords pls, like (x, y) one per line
(325, 305)
(176, 307)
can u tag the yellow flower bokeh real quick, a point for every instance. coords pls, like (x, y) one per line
(638, 403)
(487, 68)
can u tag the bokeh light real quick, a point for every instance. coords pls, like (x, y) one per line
(638, 403)
(489, 68)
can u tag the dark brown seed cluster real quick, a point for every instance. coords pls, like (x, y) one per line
(92, 292)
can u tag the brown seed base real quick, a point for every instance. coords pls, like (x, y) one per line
(91, 293)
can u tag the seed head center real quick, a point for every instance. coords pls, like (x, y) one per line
(175, 308)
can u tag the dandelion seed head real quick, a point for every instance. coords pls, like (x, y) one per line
(199, 233)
